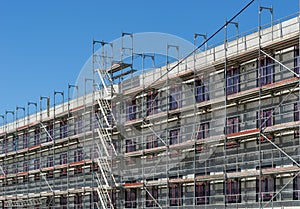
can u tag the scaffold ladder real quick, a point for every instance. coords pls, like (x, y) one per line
(105, 138)
(104, 155)
(104, 180)
(106, 81)
(106, 111)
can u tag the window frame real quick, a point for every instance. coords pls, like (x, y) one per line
(233, 191)
(174, 136)
(271, 188)
(201, 90)
(130, 145)
(232, 80)
(25, 140)
(265, 115)
(296, 118)
(151, 141)
(175, 97)
(149, 200)
(266, 69)
(37, 136)
(63, 128)
(130, 198)
(50, 132)
(233, 125)
(131, 109)
(63, 201)
(175, 194)
(202, 193)
(296, 188)
(203, 130)
(152, 102)
(296, 59)
(78, 201)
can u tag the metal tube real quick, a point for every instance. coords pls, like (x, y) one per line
(3, 122)
(259, 107)
(69, 87)
(28, 105)
(41, 106)
(9, 112)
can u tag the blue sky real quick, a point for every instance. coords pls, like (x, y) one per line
(44, 44)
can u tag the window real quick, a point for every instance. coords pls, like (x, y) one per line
(50, 162)
(36, 164)
(94, 167)
(14, 169)
(267, 188)
(149, 198)
(25, 140)
(37, 136)
(49, 133)
(78, 125)
(25, 178)
(50, 202)
(25, 167)
(201, 91)
(78, 156)
(233, 80)
(266, 70)
(266, 118)
(174, 136)
(175, 194)
(5, 169)
(233, 125)
(130, 198)
(151, 142)
(63, 201)
(113, 198)
(130, 145)
(63, 159)
(233, 191)
(203, 131)
(93, 120)
(202, 193)
(63, 128)
(15, 143)
(14, 180)
(296, 59)
(296, 188)
(296, 112)
(110, 117)
(152, 102)
(5, 145)
(296, 118)
(175, 98)
(93, 153)
(78, 201)
(94, 198)
(131, 109)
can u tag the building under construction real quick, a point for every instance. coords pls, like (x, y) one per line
(217, 130)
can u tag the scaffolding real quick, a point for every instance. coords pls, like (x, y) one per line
(217, 129)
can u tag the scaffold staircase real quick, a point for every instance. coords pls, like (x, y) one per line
(106, 180)
(106, 82)
(105, 148)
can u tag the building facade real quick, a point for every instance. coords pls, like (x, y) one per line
(219, 130)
